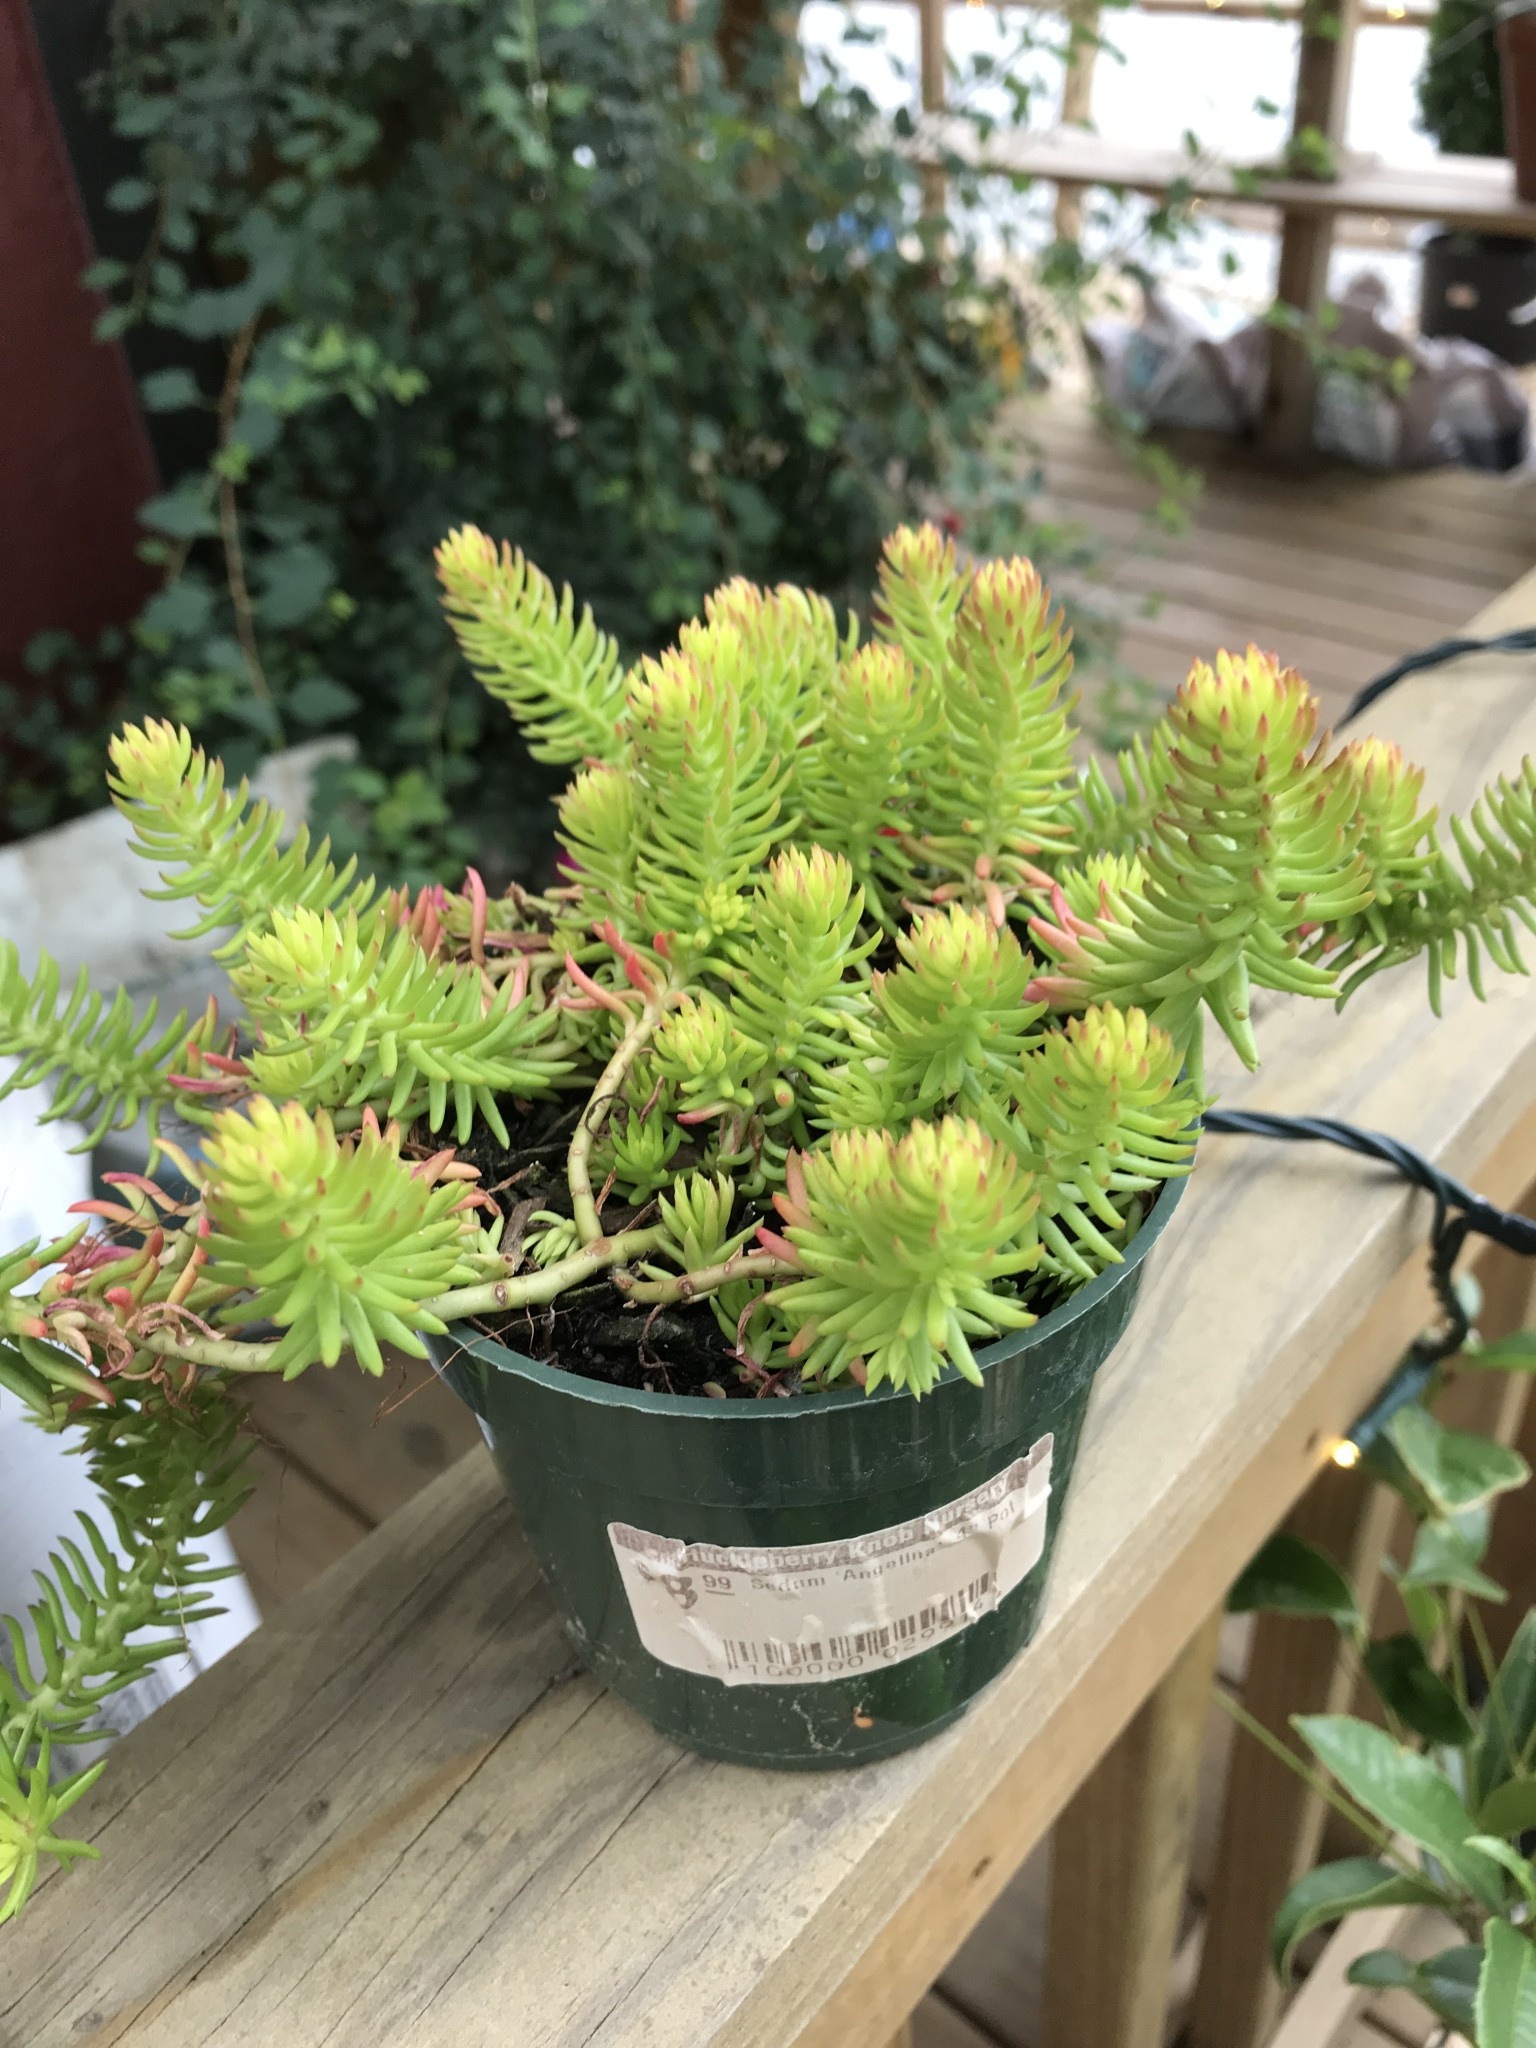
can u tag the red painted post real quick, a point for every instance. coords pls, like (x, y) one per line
(75, 460)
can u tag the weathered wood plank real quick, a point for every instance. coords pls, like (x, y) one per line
(1463, 525)
(1324, 63)
(998, 1976)
(1473, 192)
(1268, 577)
(938, 2024)
(1082, 17)
(374, 1442)
(396, 1815)
(290, 1530)
(1120, 1864)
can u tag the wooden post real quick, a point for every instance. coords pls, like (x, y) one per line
(681, 13)
(1511, 1559)
(1509, 1304)
(1119, 1860)
(1322, 101)
(77, 460)
(932, 74)
(1271, 1824)
(1076, 104)
(742, 22)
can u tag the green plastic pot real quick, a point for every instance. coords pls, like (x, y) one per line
(858, 1595)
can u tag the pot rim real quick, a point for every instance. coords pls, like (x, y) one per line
(505, 1358)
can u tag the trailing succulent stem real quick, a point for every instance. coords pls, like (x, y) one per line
(118, 1597)
(879, 1027)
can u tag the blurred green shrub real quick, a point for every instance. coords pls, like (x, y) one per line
(528, 263)
(1460, 91)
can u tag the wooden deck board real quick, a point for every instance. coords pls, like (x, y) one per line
(1339, 571)
(938, 2024)
(291, 1529)
(337, 1453)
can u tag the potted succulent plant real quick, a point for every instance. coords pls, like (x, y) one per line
(772, 1187)
(1441, 1785)
(1471, 94)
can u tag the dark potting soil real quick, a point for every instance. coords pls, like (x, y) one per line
(591, 1331)
(676, 1350)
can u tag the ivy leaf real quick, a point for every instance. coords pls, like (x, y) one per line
(1446, 1983)
(1330, 1892)
(1446, 1554)
(181, 610)
(1409, 1684)
(269, 250)
(1455, 1468)
(143, 114)
(1294, 1578)
(170, 391)
(206, 314)
(127, 195)
(295, 581)
(1423, 1610)
(1509, 1809)
(317, 700)
(1405, 1791)
(1515, 1353)
(1508, 1720)
(1518, 1866)
(257, 427)
(1505, 2010)
(1383, 1969)
(183, 514)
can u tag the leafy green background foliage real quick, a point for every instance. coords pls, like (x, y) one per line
(1460, 90)
(1445, 1792)
(530, 263)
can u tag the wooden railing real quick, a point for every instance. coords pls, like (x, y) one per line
(401, 1813)
(1472, 192)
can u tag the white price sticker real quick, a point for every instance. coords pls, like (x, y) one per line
(822, 1611)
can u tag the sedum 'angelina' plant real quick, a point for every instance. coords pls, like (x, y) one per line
(863, 1028)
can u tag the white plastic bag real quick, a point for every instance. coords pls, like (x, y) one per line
(1168, 371)
(1461, 404)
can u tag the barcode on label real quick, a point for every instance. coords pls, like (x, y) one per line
(814, 1613)
(901, 1636)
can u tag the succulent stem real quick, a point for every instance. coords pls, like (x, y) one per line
(595, 1257)
(609, 1090)
(669, 1287)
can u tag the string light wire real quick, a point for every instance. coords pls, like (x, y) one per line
(1459, 1212)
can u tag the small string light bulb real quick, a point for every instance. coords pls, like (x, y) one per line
(1346, 1452)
